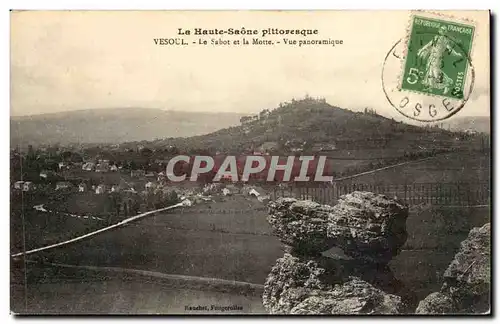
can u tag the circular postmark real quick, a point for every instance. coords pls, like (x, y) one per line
(416, 79)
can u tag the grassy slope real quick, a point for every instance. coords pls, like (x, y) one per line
(317, 122)
(451, 167)
(197, 242)
(84, 292)
(155, 245)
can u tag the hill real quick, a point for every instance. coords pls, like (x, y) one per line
(115, 125)
(312, 124)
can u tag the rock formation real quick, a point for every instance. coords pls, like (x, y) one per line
(368, 229)
(467, 280)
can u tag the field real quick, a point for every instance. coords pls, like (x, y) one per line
(97, 293)
(451, 167)
(228, 240)
(120, 298)
(434, 236)
(107, 178)
(183, 243)
(216, 245)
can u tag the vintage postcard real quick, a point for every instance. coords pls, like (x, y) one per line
(250, 162)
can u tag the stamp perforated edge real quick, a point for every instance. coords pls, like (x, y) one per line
(406, 39)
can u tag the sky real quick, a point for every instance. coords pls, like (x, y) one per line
(72, 60)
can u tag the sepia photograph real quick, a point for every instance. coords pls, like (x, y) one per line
(246, 162)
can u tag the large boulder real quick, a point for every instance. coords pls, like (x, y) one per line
(364, 231)
(304, 286)
(363, 224)
(368, 226)
(290, 272)
(300, 224)
(467, 280)
(352, 297)
(471, 267)
(468, 277)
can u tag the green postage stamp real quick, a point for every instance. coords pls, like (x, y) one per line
(437, 56)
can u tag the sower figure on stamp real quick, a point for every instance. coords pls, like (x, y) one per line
(433, 52)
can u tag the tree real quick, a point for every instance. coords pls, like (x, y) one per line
(173, 149)
(66, 156)
(75, 157)
(245, 119)
(264, 113)
(146, 152)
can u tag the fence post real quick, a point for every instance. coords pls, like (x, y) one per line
(469, 193)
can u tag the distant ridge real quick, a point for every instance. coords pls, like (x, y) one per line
(478, 123)
(115, 125)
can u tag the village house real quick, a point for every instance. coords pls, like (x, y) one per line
(62, 185)
(228, 177)
(102, 167)
(46, 174)
(88, 166)
(82, 187)
(100, 189)
(150, 174)
(226, 192)
(471, 131)
(161, 177)
(115, 188)
(268, 147)
(113, 168)
(161, 161)
(137, 173)
(150, 185)
(63, 165)
(319, 147)
(28, 186)
(19, 185)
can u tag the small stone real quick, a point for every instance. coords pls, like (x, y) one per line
(436, 303)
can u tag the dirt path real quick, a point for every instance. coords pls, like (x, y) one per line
(160, 275)
(105, 229)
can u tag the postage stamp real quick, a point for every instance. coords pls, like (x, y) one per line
(428, 75)
(436, 60)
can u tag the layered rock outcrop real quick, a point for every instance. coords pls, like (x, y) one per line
(367, 229)
(467, 280)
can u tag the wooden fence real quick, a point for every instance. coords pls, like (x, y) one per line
(450, 194)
